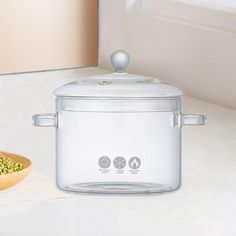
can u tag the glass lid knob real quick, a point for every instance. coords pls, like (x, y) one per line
(120, 61)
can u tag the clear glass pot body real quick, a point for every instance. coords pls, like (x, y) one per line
(118, 133)
(118, 146)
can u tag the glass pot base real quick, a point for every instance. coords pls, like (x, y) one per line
(118, 187)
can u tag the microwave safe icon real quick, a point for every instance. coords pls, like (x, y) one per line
(104, 162)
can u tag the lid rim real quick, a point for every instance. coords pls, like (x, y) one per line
(119, 98)
(119, 84)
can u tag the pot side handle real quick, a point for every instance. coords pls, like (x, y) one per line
(45, 120)
(193, 119)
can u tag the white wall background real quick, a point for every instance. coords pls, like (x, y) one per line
(198, 54)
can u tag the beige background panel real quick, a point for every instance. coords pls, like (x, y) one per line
(41, 35)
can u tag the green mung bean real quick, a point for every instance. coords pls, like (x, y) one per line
(8, 166)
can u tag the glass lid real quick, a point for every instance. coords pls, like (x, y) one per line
(119, 84)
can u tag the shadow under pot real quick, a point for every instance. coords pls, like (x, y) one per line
(118, 133)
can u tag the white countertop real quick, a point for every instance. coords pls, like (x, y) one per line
(204, 205)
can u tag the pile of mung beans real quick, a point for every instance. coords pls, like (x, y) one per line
(8, 166)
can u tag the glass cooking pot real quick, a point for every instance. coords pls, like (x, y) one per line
(118, 133)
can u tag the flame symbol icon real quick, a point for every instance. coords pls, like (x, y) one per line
(134, 162)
